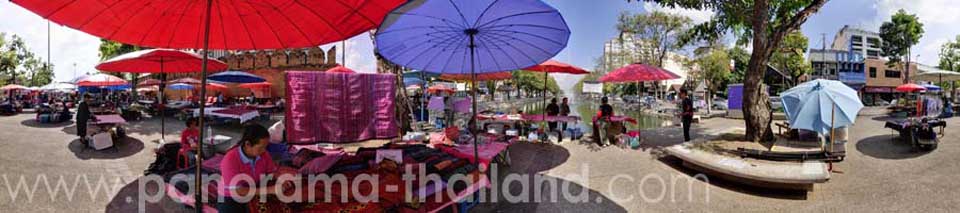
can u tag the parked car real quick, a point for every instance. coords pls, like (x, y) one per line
(719, 104)
(776, 103)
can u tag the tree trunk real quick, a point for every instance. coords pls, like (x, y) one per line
(756, 108)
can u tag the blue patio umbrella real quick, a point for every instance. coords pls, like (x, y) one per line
(180, 86)
(822, 105)
(931, 87)
(236, 77)
(471, 36)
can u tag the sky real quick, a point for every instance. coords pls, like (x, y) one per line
(591, 24)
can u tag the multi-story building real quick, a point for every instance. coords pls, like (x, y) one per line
(857, 40)
(841, 65)
(625, 49)
(882, 79)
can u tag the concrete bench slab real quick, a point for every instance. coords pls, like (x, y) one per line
(762, 173)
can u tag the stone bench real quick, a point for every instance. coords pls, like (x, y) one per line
(761, 173)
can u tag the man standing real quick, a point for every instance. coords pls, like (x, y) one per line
(564, 111)
(83, 115)
(552, 110)
(686, 113)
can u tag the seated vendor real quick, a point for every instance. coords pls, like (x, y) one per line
(248, 160)
(189, 139)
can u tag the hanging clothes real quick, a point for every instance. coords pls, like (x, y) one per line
(340, 107)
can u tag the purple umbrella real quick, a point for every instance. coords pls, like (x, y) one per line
(471, 36)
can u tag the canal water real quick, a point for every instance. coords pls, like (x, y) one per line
(587, 110)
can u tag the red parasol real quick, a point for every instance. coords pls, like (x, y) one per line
(440, 88)
(186, 80)
(255, 85)
(340, 69)
(910, 87)
(149, 82)
(101, 80)
(495, 76)
(159, 61)
(552, 66)
(636, 73)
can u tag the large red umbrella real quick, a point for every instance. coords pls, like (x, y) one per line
(101, 80)
(234, 24)
(221, 24)
(910, 87)
(636, 73)
(159, 61)
(494, 76)
(553, 66)
(440, 88)
(215, 86)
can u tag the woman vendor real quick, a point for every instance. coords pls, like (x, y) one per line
(248, 160)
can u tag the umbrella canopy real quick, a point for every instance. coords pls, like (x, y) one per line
(823, 104)
(440, 88)
(159, 61)
(77, 79)
(180, 86)
(215, 86)
(236, 77)
(412, 81)
(255, 85)
(931, 87)
(910, 87)
(340, 69)
(149, 82)
(460, 37)
(235, 25)
(420, 75)
(553, 66)
(638, 73)
(58, 86)
(494, 76)
(101, 80)
(13, 87)
(148, 89)
(186, 80)
(933, 74)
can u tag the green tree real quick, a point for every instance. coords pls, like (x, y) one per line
(20, 66)
(741, 59)
(950, 60)
(765, 23)
(790, 56)
(653, 36)
(899, 34)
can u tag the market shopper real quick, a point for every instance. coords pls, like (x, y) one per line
(601, 121)
(686, 113)
(246, 161)
(83, 115)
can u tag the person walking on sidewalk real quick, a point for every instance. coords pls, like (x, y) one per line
(686, 113)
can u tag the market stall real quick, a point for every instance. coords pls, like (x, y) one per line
(106, 130)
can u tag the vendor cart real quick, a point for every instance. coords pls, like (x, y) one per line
(919, 132)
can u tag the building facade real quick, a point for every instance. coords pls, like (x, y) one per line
(882, 79)
(626, 49)
(857, 40)
(841, 65)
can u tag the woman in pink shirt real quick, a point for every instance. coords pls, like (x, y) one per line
(247, 161)
(189, 139)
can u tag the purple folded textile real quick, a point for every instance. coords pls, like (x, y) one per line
(339, 107)
(436, 103)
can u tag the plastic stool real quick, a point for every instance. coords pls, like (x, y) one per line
(183, 161)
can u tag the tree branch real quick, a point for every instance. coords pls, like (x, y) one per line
(793, 24)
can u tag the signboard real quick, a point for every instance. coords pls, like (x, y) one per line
(592, 87)
(735, 96)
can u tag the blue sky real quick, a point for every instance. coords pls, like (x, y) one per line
(591, 22)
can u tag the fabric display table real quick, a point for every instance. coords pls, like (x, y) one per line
(243, 115)
(107, 129)
(448, 163)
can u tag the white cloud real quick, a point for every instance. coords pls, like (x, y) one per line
(939, 18)
(68, 46)
(698, 16)
(359, 53)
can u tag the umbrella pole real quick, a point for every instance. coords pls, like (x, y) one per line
(163, 113)
(830, 145)
(198, 198)
(473, 76)
(544, 120)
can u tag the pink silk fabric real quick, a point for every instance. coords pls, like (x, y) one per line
(339, 107)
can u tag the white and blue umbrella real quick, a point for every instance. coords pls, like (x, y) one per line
(180, 86)
(471, 36)
(236, 77)
(931, 87)
(821, 105)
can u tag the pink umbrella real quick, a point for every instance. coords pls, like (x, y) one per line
(13, 87)
(480, 76)
(101, 80)
(186, 80)
(637, 73)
